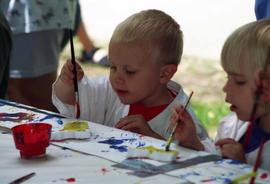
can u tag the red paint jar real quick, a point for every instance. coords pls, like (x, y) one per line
(32, 139)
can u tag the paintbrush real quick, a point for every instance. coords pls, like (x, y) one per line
(23, 178)
(170, 139)
(75, 82)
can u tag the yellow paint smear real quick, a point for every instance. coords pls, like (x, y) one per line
(152, 149)
(76, 126)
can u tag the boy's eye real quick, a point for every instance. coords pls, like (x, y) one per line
(130, 72)
(240, 83)
(112, 68)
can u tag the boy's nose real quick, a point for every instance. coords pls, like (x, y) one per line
(225, 87)
(118, 78)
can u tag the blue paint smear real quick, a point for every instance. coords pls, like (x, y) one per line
(234, 162)
(112, 141)
(141, 144)
(47, 117)
(119, 148)
(228, 161)
(59, 121)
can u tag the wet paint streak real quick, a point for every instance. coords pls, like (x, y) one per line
(264, 176)
(16, 117)
(234, 162)
(186, 175)
(119, 148)
(47, 117)
(114, 144)
(112, 141)
(141, 144)
(227, 161)
(59, 121)
(207, 180)
(104, 170)
(71, 180)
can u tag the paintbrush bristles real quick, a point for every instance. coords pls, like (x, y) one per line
(170, 139)
(167, 148)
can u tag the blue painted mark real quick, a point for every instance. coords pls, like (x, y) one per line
(47, 117)
(192, 173)
(119, 148)
(112, 141)
(234, 162)
(59, 121)
(141, 144)
(226, 180)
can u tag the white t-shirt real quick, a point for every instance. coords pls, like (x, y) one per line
(100, 104)
(231, 127)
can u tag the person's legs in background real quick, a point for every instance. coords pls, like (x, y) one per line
(31, 83)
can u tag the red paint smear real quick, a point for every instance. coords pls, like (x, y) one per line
(264, 176)
(207, 180)
(71, 180)
(104, 170)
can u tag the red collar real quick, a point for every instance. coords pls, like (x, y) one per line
(147, 112)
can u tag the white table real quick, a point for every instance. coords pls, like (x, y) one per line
(94, 162)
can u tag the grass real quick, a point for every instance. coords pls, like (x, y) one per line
(210, 114)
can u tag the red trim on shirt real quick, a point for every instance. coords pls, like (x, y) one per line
(147, 112)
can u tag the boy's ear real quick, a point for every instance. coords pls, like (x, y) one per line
(167, 72)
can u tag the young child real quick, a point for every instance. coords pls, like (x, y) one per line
(144, 52)
(245, 52)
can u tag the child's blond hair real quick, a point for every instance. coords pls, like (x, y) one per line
(246, 49)
(156, 30)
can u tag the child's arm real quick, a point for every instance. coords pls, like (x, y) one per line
(186, 131)
(63, 86)
(137, 123)
(231, 149)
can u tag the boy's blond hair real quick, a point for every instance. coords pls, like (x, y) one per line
(156, 30)
(246, 49)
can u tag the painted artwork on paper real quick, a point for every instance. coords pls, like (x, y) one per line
(113, 144)
(14, 114)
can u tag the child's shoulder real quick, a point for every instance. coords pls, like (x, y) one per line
(174, 86)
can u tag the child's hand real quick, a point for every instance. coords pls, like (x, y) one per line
(63, 86)
(137, 124)
(231, 149)
(186, 131)
(66, 75)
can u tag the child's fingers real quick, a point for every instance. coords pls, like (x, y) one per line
(122, 122)
(225, 141)
(129, 126)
